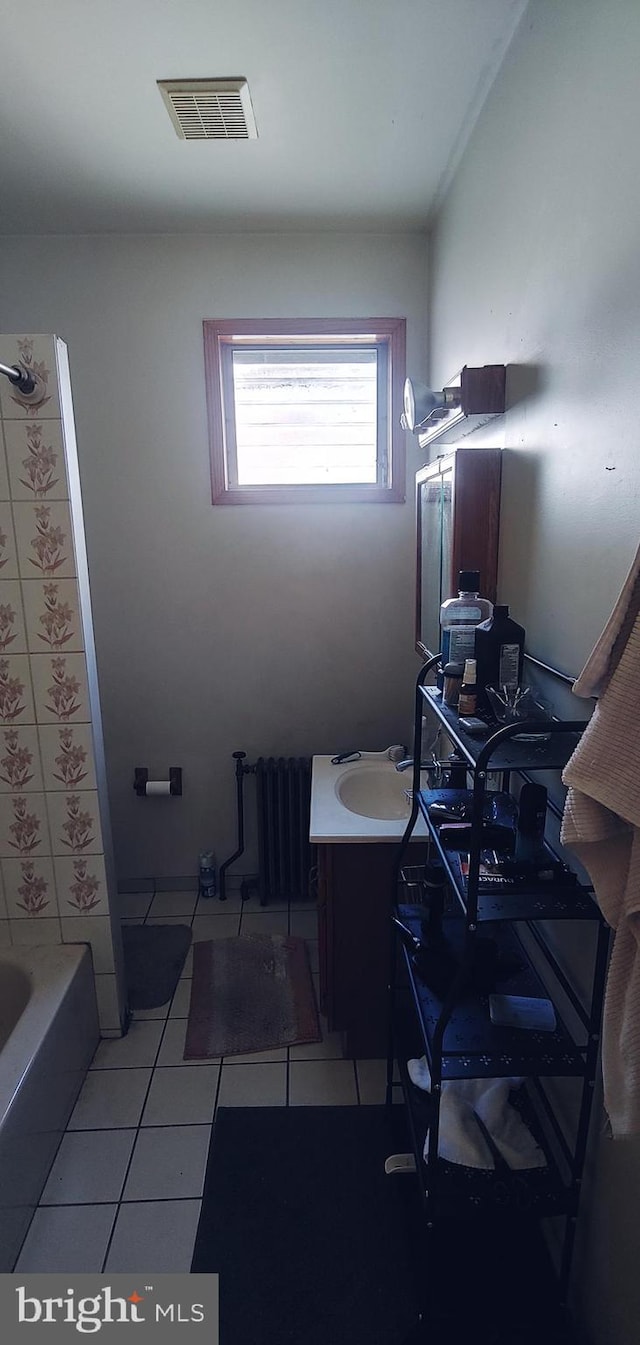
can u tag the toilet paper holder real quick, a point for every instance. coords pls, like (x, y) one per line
(145, 788)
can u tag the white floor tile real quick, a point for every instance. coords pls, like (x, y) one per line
(253, 1086)
(134, 1051)
(218, 926)
(322, 1083)
(173, 903)
(232, 905)
(154, 1239)
(108, 1098)
(330, 1048)
(172, 1049)
(304, 924)
(181, 1000)
(168, 1163)
(133, 905)
(269, 921)
(372, 1082)
(182, 1096)
(145, 1015)
(67, 1239)
(90, 1167)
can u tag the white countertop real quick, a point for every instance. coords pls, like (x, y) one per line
(331, 822)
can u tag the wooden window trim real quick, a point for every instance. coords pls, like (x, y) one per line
(220, 403)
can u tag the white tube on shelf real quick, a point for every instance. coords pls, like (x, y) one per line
(157, 787)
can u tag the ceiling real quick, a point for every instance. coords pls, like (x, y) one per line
(363, 108)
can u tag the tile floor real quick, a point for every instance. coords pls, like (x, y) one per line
(125, 1188)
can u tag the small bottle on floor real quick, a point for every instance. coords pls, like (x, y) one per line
(207, 874)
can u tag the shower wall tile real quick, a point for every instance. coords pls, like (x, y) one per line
(8, 552)
(16, 700)
(96, 931)
(24, 828)
(4, 475)
(28, 933)
(74, 823)
(20, 770)
(30, 891)
(82, 885)
(60, 688)
(52, 615)
(44, 539)
(37, 354)
(3, 902)
(35, 460)
(13, 635)
(108, 1008)
(5, 934)
(67, 756)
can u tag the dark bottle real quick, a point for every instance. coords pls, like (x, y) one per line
(499, 648)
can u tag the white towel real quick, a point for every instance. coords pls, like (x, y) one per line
(601, 824)
(460, 1139)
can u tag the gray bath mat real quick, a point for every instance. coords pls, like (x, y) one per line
(154, 956)
(250, 993)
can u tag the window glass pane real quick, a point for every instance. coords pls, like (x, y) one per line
(305, 415)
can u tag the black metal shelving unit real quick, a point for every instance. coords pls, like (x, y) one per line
(453, 1030)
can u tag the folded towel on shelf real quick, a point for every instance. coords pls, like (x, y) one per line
(601, 824)
(460, 1138)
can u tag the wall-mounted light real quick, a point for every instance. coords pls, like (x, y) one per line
(467, 401)
(423, 406)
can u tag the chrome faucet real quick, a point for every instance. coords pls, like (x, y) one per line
(409, 761)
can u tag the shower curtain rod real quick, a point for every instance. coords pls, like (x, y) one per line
(21, 378)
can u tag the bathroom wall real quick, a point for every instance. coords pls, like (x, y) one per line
(57, 879)
(270, 629)
(535, 262)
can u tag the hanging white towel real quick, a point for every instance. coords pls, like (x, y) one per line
(460, 1139)
(601, 824)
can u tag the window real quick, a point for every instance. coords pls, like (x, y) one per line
(306, 411)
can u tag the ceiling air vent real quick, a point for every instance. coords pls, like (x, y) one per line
(209, 109)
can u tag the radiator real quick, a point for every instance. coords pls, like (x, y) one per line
(284, 853)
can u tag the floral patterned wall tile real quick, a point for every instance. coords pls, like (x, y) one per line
(44, 539)
(97, 932)
(30, 890)
(82, 885)
(60, 688)
(52, 615)
(20, 770)
(35, 460)
(37, 354)
(24, 827)
(30, 932)
(74, 822)
(67, 756)
(13, 635)
(5, 493)
(16, 700)
(8, 549)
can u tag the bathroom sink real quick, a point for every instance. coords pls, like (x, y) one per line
(374, 790)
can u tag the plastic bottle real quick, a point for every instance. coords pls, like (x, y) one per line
(499, 650)
(468, 691)
(460, 616)
(207, 885)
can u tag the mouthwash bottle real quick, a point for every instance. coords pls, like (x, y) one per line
(499, 650)
(459, 618)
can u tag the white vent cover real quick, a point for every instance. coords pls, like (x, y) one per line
(209, 109)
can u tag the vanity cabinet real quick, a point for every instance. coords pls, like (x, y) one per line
(354, 883)
(457, 524)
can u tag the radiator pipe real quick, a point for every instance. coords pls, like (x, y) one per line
(241, 771)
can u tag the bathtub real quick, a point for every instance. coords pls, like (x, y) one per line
(48, 1034)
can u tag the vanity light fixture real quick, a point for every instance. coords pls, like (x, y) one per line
(467, 401)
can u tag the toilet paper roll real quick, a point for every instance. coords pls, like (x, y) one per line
(157, 787)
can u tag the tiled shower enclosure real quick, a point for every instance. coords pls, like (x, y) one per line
(58, 882)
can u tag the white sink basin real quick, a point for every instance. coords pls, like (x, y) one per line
(375, 791)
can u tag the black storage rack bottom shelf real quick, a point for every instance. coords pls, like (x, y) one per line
(473, 1047)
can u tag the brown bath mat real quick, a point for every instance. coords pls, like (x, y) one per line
(250, 993)
(154, 956)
